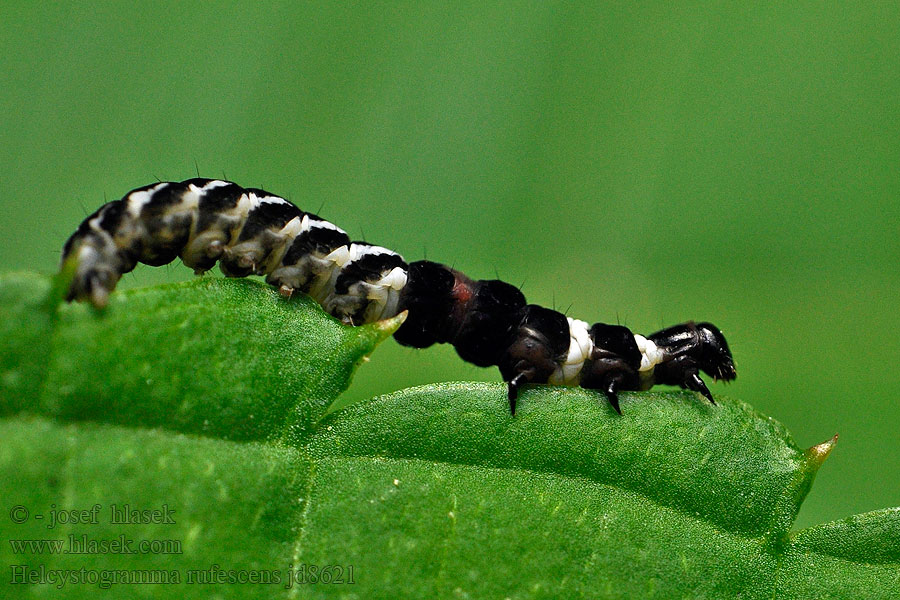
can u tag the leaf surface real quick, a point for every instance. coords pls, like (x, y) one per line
(223, 358)
(209, 398)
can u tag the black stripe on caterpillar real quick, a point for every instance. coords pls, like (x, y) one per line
(489, 323)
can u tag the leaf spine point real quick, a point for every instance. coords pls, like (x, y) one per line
(820, 452)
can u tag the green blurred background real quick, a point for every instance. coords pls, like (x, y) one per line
(642, 164)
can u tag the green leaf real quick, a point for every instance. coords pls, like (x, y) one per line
(664, 446)
(224, 358)
(234, 503)
(673, 498)
(858, 557)
(429, 492)
(26, 329)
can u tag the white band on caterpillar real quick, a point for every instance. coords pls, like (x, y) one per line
(580, 348)
(651, 355)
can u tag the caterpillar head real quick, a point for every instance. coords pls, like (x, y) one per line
(714, 355)
(700, 344)
(686, 350)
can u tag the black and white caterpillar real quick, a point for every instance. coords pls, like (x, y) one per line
(249, 231)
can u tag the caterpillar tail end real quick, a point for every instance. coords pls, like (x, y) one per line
(91, 289)
(99, 295)
(85, 276)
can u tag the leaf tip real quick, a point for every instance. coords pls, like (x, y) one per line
(379, 331)
(385, 328)
(818, 453)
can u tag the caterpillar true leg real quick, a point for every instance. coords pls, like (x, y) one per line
(615, 362)
(489, 323)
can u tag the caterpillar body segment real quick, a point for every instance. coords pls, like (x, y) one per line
(249, 231)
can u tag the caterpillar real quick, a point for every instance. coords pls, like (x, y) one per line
(489, 323)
